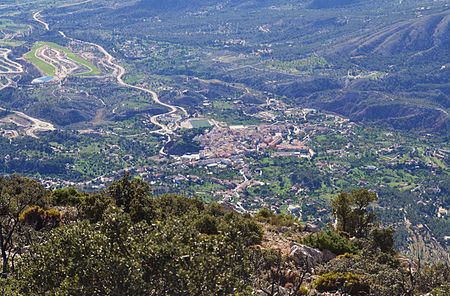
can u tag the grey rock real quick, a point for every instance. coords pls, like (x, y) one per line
(309, 257)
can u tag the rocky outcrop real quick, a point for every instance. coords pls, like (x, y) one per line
(309, 257)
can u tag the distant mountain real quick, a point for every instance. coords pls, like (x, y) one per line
(179, 5)
(386, 65)
(322, 4)
(414, 92)
(426, 33)
(371, 107)
(172, 4)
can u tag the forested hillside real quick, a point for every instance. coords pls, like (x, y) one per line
(125, 241)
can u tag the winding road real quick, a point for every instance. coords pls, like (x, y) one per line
(9, 65)
(119, 72)
(36, 125)
(36, 16)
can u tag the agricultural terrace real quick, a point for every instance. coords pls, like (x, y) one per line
(57, 61)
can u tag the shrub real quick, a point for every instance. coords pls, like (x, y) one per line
(348, 282)
(242, 228)
(66, 196)
(265, 213)
(383, 239)
(218, 210)
(330, 240)
(127, 191)
(93, 206)
(347, 256)
(279, 220)
(172, 205)
(38, 218)
(303, 290)
(207, 224)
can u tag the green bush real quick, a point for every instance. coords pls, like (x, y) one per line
(330, 240)
(93, 206)
(303, 290)
(217, 210)
(347, 256)
(38, 217)
(172, 205)
(241, 228)
(66, 197)
(279, 220)
(187, 251)
(207, 224)
(383, 239)
(265, 213)
(348, 282)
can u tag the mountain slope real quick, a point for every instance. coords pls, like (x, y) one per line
(415, 36)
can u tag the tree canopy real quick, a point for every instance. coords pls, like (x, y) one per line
(125, 241)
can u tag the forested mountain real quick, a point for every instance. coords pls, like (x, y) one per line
(257, 124)
(376, 49)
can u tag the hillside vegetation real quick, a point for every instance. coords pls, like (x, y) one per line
(125, 241)
(407, 41)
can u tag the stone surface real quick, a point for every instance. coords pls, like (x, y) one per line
(309, 257)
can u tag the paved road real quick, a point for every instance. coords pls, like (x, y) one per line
(119, 72)
(11, 66)
(37, 125)
(36, 17)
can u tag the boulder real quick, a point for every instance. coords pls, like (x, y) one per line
(309, 257)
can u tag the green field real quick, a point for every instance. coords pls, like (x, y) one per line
(306, 65)
(200, 123)
(49, 70)
(44, 67)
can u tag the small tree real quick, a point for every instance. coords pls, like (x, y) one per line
(16, 194)
(133, 196)
(352, 212)
(383, 239)
(342, 211)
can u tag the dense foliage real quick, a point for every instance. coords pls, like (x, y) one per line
(330, 240)
(126, 241)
